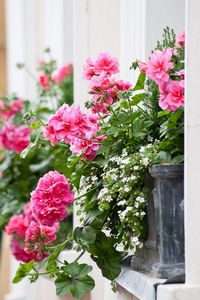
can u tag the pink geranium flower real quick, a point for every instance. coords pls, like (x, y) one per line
(142, 66)
(122, 85)
(101, 83)
(51, 198)
(8, 111)
(37, 236)
(106, 64)
(17, 105)
(67, 124)
(180, 39)
(17, 249)
(89, 69)
(17, 225)
(15, 138)
(91, 146)
(62, 73)
(159, 64)
(172, 95)
(44, 82)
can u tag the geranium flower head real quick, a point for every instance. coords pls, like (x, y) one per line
(67, 124)
(44, 82)
(15, 138)
(172, 95)
(15, 225)
(142, 66)
(51, 197)
(180, 39)
(107, 64)
(159, 64)
(37, 236)
(62, 73)
(17, 249)
(91, 146)
(89, 69)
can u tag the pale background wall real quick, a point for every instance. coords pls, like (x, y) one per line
(128, 29)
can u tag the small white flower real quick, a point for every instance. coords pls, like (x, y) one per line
(94, 178)
(135, 168)
(125, 161)
(142, 149)
(142, 213)
(145, 161)
(109, 198)
(122, 202)
(125, 179)
(102, 193)
(124, 152)
(126, 188)
(140, 199)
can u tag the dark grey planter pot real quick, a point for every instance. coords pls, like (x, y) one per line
(163, 253)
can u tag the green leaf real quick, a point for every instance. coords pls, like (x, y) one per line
(51, 264)
(35, 125)
(140, 82)
(85, 235)
(106, 256)
(23, 271)
(30, 148)
(74, 279)
(137, 98)
(178, 159)
(163, 113)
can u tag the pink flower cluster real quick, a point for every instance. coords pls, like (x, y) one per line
(71, 126)
(14, 138)
(50, 198)
(159, 68)
(103, 87)
(18, 228)
(33, 230)
(9, 110)
(62, 73)
(46, 81)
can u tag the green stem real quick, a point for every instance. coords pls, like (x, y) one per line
(30, 74)
(142, 110)
(94, 188)
(131, 114)
(83, 252)
(38, 118)
(62, 244)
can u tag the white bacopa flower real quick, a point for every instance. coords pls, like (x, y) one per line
(94, 178)
(102, 193)
(125, 179)
(124, 152)
(109, 198)
(142, 213)
(145, 161)
(135, 168)
(150, 139)
(126, 188)
(149, 146)
(140, 199)
(136, 205)
(132, 177)
(134, 240)
(142, 149)
(122, 202)
(125, 161)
